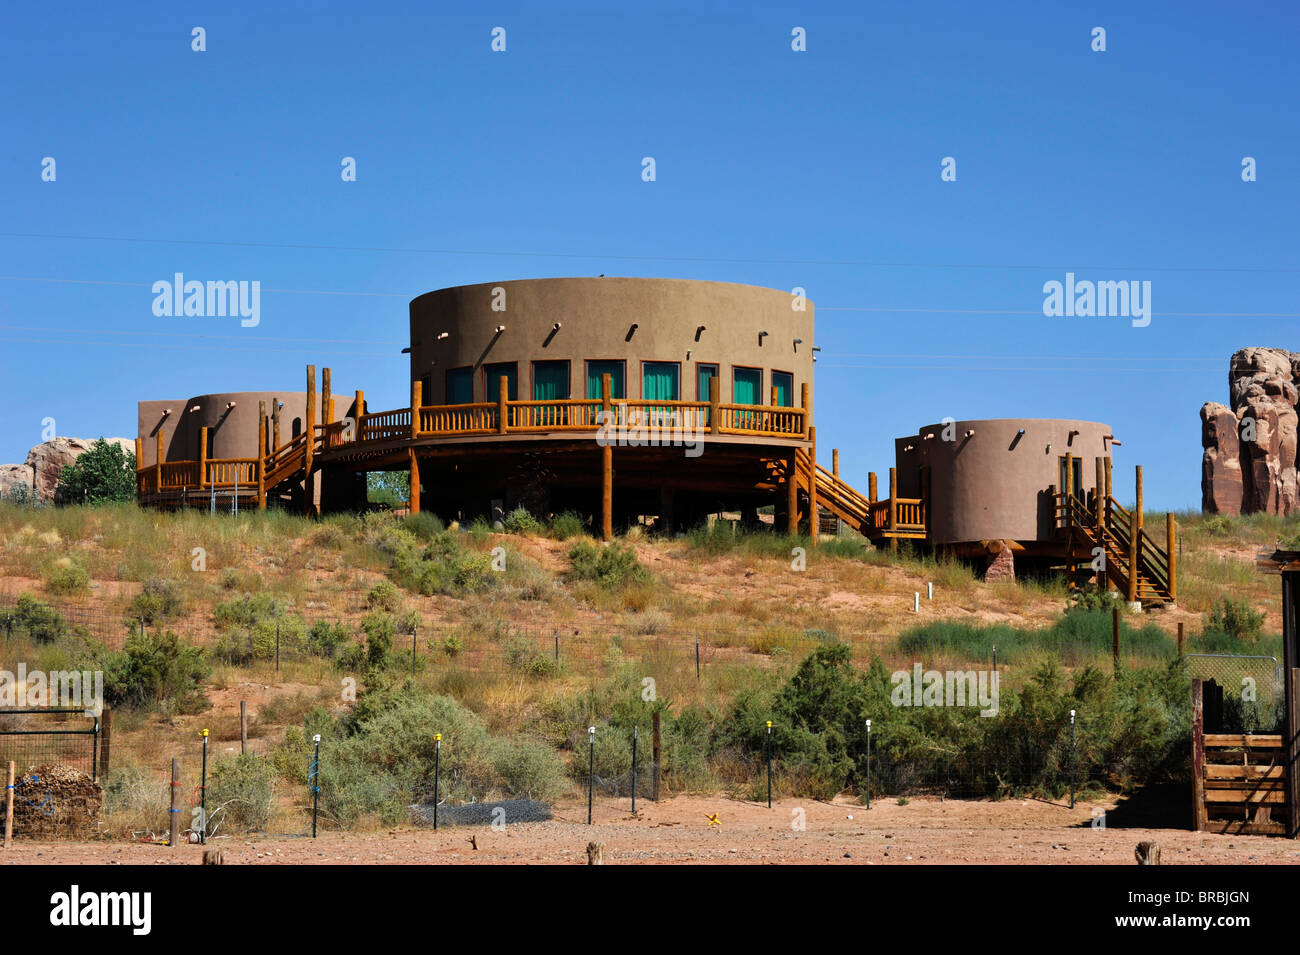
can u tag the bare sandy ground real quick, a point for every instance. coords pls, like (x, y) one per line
(677, 831)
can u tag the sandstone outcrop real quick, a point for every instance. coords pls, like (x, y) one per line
(47, 460)
(1249, 464)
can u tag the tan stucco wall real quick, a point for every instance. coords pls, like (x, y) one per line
(234, 434)
(595, 316)
(993, 485)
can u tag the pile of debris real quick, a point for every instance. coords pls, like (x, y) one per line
(56, 801)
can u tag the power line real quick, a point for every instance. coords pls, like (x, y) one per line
(855, 263)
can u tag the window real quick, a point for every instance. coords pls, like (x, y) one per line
(550, 380)
(703, 373)
(1076, 474)
(746, 386)
(494, 373)
(617, 371)
(661, 380)
(783, 382)
(460, 386)
(746, 389)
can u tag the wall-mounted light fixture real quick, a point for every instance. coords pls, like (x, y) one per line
(279, 404)
(1021, 431)
(928, 436)
(196, 408)
(908, 447)
(970, 433)
(699, 329)
(631, 331)
(500, 329)
(406, 351)
(688, 354)
(229, 405)
(761, 336)
(442, 335)
(797, 343)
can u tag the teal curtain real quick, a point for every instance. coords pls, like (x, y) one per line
(661, 381)
(495, 372)
(702, 375)
(460, 386)
(550, 380)
(783, 382)
(616, 371)
(746, 386)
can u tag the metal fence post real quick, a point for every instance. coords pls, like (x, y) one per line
(769, 760)
(314, 778)
(174, 827)
(634, 734)
(591, 770)
(437, 770)
(203, 794)
(868, 764)
(1073, 759)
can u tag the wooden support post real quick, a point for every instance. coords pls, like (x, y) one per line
(805, 402)
(715, 399)
(835, 462)
(261, 456)
(1135, 541)
(1198, 755)
(309, 424)
(654, 754)
(324, 396)
(415, 482)
(417, 398)
(275, 424)
(159, 456)
(814, 523)
(174, 827)
(606, 456)
(203, 457)
(9, 803)
(893, 498)
(1180, 638)
(503, 407)
(771, 417)
(358, 409)
(1099, 492)
(871, 486)
(139, 453)
(1171, 541)
(925, 498)
(792, 495)
(243, 727)
(1110, 493)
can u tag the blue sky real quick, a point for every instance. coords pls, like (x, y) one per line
(818, 169)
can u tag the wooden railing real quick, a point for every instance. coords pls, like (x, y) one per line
(1116, 538)
(482, 418)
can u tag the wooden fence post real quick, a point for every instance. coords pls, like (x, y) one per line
(174, 828)
(243, 727)
(655, 754)
(1114, 633)
(261, 456)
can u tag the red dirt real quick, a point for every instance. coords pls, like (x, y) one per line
(923, 832)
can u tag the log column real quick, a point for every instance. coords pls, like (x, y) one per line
(813, 522)
(715, 399)
(1135, 537)
(1171, 547)
(606, 457)
(792, 495)
(309, 423)
(261, 456)
(203, 458)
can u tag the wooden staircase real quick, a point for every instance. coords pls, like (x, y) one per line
(1141, 569)
(893, 517)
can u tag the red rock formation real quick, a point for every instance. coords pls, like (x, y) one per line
(1249, 463)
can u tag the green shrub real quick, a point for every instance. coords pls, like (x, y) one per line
(39, 620)
(523, 654)
(1217, 526)
(1236, 619)
(384, 596)
(159, 600)
(66, 578)
(424, 525)
(609, 565)
(325, 639)
(564, 526)
(246, 610)
(155, 669)
(520, 522)
(241, 792)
